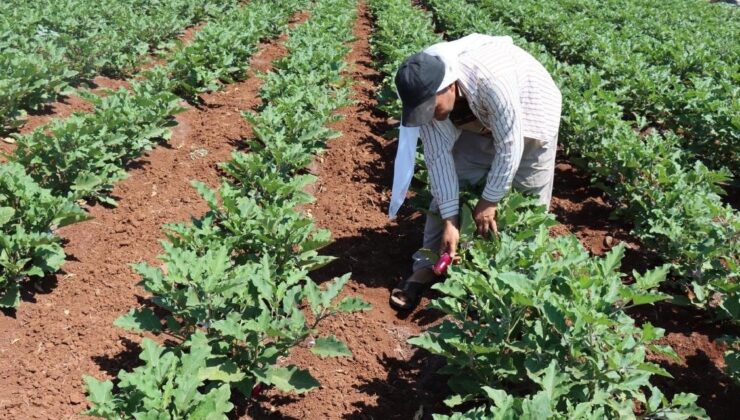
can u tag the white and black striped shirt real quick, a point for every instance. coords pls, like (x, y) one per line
(512, 95)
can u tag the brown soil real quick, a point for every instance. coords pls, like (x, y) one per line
(585, 211)
(64, 329)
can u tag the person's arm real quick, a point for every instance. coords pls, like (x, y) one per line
(438, 138)
(501, 98)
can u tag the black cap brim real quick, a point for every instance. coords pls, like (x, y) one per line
(421, 114)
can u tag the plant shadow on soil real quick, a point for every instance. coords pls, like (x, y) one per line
(30, 288)
(126, 359)
(415, 376)
(717, 396)
(256, 409)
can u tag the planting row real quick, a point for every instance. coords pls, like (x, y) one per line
(702, 29)
(676, 209)
(235, 295)
(682, 78)
(675, 206)
(81, 157)
(677, 214)
(536, 327)
(45, 46)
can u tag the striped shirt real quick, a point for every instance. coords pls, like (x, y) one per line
(512, 95)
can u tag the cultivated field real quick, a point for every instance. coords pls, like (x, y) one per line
(193, 216)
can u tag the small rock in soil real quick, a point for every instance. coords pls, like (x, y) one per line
(9, 140)
(609, 241)
(76, 399)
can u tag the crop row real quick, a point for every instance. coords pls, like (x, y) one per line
(675, 206)
(536, 327)
(701, 28)
(683, 79)
(235, 293)
(678, 216)
(84, 155)
(47, 46)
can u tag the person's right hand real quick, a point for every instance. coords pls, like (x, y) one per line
(450, 237)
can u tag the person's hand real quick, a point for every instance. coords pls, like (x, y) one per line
(485, 217)
(450, 237)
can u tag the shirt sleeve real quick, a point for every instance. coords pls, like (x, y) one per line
(501, 98)
(438, 138)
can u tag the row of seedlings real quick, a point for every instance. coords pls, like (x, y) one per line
(48, 46)
(681, 78)
(83, 156)
(677, 212)
(235, 295)
(675, 206)
(535, 327)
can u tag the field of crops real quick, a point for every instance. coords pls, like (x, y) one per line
(193, 216)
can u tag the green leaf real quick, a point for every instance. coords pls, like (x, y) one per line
(288, 379)
(333, 289)
(427, 342)
(731, 304)
(517, 281)
(648, 298)
(467, 223)
(207, 193)
(100, 395)
(499, 397)
(138, 320)
(653, 368)
(700, 292)
(6, 213)
(665, 350)
(353, 304)
(452, 288)
(330, 347)
(553, 383)
(538, 407)
(231, 327)
(652, 278)
(454, 401)
(215, 405)
(150, 352)
(86, 183)
(555, 317)
(613, 258)
(11, 296)
(313, 295)
(226, 371)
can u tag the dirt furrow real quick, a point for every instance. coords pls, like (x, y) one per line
(46, 346)
(385, 377)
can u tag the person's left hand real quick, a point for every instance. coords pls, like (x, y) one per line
(485, 217)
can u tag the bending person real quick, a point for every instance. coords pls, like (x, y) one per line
(484, 109)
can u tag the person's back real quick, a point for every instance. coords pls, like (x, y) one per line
(540, 98)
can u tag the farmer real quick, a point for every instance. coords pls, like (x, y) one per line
(484, 108)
